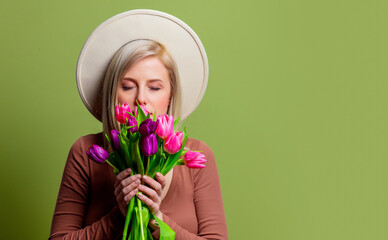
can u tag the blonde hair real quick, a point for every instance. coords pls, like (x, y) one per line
(127, 56)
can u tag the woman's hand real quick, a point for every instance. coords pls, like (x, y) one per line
(152, 195)
(126, 188)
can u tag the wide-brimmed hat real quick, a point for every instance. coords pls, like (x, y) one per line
(179, 39)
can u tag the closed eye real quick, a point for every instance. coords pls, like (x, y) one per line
(127, 88)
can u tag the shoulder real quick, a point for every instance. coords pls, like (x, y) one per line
(198, 145)
(77, 157)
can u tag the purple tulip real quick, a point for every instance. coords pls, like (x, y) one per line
(98, 153)
(147, 127)
(132, 122)
(115, 139)
(149, 144)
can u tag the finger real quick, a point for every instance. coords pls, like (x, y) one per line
(131, 186)
(130, 195)
(151, 193)
(129, 180)
(123, 174)
(161, 179)
(151, 204)
(153, 184)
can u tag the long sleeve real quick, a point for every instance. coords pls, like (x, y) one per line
(207, 199)
(73, 199)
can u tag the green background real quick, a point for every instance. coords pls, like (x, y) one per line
(295, 111)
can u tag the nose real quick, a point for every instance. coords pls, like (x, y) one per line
(141, 96)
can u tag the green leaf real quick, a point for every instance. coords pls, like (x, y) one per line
(166, 233)
(125, 151)
(131, 205)
(176, 122)
(131, 114)
(137, 157)
(140, 114)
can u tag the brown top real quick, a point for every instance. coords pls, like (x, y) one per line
(87, 209)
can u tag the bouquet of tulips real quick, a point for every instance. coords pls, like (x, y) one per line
(147, 146)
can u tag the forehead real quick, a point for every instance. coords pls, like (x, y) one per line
(147, 68)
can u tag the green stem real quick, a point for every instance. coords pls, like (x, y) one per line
(128, 217)
(141, 217)
(148, 165)
(112, 166)
(127, 220)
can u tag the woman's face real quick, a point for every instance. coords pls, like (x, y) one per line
(148, 82)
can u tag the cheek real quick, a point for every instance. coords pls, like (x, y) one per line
(125, 98)
(161, 104)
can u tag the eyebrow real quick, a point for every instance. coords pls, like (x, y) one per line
(150, 80)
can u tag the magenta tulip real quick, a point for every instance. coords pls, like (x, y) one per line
(132, 122)
(149, 144)
(98, 153)
(121, 113)
(194, 159)
(173, 142)
(115, 139)
(165, 126)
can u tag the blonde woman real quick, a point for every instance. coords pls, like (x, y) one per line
(92, 201)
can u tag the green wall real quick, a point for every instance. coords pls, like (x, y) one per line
(295, 111)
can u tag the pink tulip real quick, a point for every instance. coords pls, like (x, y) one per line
(143, 108)
(194, 159)
(121, 113)
(173, 142)
(165, 126)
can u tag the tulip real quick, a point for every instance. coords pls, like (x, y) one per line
(132, 122)
(147, 127)
(194, 159)
(142, 108)
(121, 113)
(98, 153)
(173, 142)
(165, 126)
(149, 144)
(115, 139)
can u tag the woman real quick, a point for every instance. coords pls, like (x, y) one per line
(92, 201)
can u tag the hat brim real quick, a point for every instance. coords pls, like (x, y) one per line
(180, 40)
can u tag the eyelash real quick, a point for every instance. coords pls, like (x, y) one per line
(152, 88)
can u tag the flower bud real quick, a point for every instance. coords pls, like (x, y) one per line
(147, 127)
(115, 139)
(194, 159)
(165, 126)
(132, 122)
(173, 142)
(121, 113)
(149, 144)
(98, 153)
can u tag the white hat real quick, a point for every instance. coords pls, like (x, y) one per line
(180, 40)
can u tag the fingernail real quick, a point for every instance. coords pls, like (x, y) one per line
(129, 170)
(158, 174)
(138, 176)
(140, 195)
(145, 177)
(137, 181)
